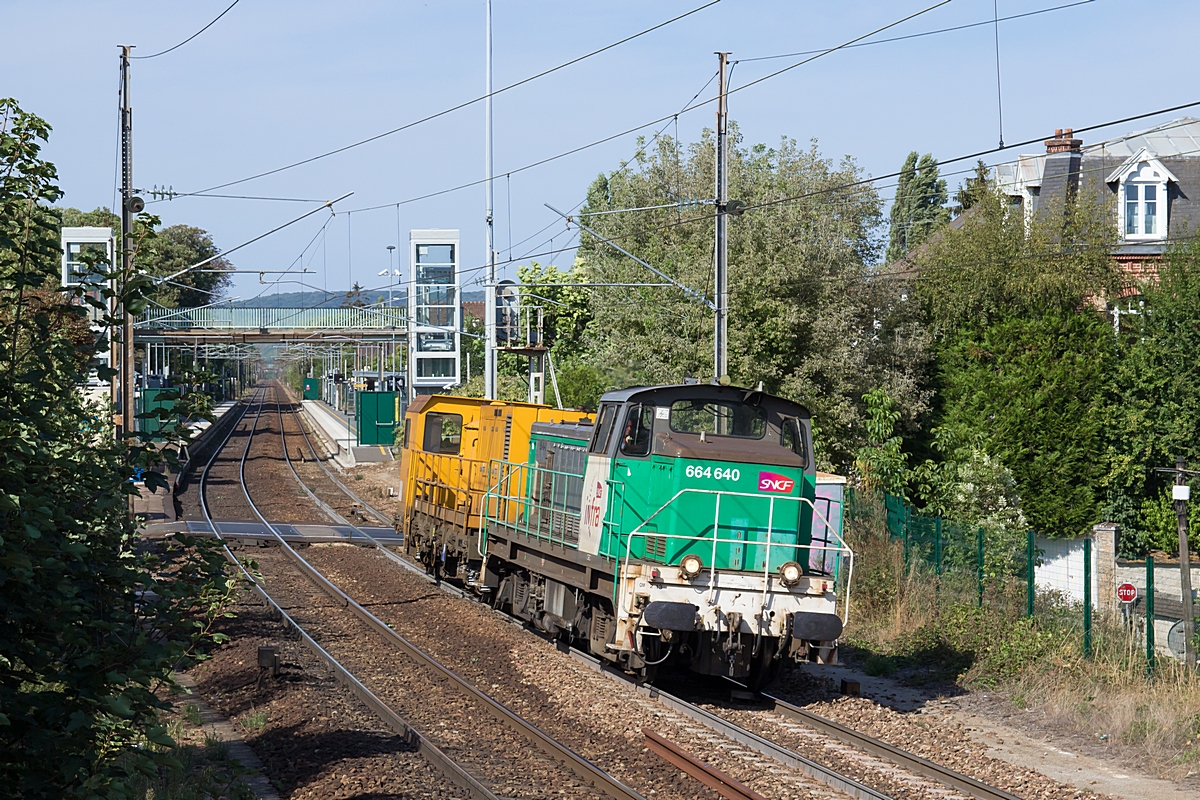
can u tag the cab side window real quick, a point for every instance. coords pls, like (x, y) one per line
(638, 431)
(443, 433)
(792, 437)
(604, 426)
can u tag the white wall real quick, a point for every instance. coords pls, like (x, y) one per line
(1062, 568)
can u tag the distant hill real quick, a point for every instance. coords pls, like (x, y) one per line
(331, 299)
(313, 299)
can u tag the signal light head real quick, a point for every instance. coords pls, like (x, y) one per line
(690, 566)
(789, 573)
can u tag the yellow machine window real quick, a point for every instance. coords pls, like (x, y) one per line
(443, 433)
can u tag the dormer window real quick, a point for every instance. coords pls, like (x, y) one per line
(1141, 209)
(1142, 197)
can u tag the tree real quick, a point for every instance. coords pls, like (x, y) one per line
(165, 252)
(92, 626)
(1155, 415)
(565, 312)
(354, 298)
(1022, 356)
(971, 191)
(919, 207)
(807, 316)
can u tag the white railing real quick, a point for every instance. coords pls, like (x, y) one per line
(237, 318)
(836, 545)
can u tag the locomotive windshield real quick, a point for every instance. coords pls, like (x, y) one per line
(718, 418)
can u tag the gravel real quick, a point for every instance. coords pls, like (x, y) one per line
(589, 712)
(315, 740)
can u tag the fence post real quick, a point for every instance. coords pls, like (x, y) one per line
(1087, 598)
(1150, 616)
(1030, 559)
(907, 511)
(979, 565)
(937, 543)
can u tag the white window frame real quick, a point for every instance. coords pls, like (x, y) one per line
(1142, 170)
(1160, 211)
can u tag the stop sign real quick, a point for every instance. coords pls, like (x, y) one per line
(1127, 593)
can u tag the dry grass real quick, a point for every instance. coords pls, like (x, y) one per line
(921, 625)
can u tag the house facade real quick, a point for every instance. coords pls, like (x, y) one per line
(1150, 179)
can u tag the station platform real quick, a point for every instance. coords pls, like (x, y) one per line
(337, 428)
(255, 532)
(159, 506)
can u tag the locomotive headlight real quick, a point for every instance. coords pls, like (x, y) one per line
(690, 566)
(790, 573)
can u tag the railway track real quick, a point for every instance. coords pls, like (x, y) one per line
(876, 762)
(489, 761)
(877, 748)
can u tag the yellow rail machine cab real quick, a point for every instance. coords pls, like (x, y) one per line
(445, 467)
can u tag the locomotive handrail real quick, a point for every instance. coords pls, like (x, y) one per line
(500, 495)
(716, 539)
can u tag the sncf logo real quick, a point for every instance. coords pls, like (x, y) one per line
(773, 482)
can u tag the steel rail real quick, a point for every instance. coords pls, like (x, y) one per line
(869, 744)
(888, 752)
(819, 772)
(581, 766)
(428, 750)
(724, 785)
(380, 546)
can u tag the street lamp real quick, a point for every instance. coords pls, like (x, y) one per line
(391, 248)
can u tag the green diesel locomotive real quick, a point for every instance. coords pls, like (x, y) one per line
(686, 526)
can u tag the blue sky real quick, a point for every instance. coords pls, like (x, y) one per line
(274, 82)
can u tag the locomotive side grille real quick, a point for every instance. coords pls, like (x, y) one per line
(656, 547)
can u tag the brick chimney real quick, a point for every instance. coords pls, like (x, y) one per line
(1060, 174)
(1063, 142)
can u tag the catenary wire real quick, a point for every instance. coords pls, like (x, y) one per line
(194, 35)
(925, 33)
(692, 107)
(459, 106)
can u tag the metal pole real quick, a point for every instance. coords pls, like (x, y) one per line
(127, 410)
(489, 322)
(937, 544)
(721, 322)
(1087, 598)
(979, 566)
(1030, 559)
(1180, 493)
(1150, 616)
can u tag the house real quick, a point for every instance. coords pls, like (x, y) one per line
(1151, 180)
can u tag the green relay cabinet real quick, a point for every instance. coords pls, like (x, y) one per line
(376, 417)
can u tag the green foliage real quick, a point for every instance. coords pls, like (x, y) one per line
(94, 622)
(582, 385)
(1022, 359)
(1155, 416)
(565, 313)
(882, 463)
(805, 318)
(164, 252)
(1034, 390)
(919, 207)
(974, 190)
